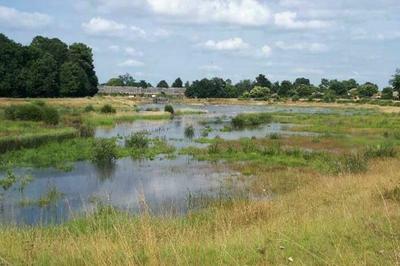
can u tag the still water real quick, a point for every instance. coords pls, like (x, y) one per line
(163, 185)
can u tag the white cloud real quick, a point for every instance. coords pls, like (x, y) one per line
(311, 47)
(232, 44)
(289, 20)
(103, 27)
(266, 50)
(13, 18)
(238, 12)
(131, 63)
(211, 68)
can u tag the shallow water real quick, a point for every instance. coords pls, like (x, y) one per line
(163, 184)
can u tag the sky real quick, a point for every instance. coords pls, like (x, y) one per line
(236, 39)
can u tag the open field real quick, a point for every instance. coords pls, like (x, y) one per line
(330, 196)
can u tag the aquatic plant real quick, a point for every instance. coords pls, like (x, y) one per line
(104, 151)
(168, 108)
(107, 109)
(250, 120)
(137, 140)
(189, 132)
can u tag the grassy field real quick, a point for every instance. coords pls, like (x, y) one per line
(327, 199)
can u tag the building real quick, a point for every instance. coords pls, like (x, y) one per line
(141, 92)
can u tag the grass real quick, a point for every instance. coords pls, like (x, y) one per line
(250, 120)
(327, 221)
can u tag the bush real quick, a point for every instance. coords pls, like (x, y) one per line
(50, 115)
(189, 132)
(86, 130)
(89, 108)
(381, 151)
(107, 109)
(250, 120)
(32, 112)
(137, 140)
(168, 108)
(351, 163)
(104, 151)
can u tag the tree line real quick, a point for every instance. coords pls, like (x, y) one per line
(262, 87)
(127, 80)
(46, 68)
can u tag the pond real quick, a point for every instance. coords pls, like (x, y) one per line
(164, 185)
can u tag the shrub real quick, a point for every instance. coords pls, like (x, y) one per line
(189, 132)
(250, 120)
(89, 108)
(50, 115)
(274, 136)
(137, 140)
(104, 151)
(381, 151)
(107, 109)
(32, 112)
(86, 130)
(351, 163)
(168, 108)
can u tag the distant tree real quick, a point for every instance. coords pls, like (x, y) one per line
(337, 87)
(42, 78)
(350, 84)
(259, 92)
(143, 84)
(115, 82)
(368, 89)
(162, 84)
(387, 93)
(128, 80)
(324, 85)
(304, 90)
(275, 87)
(395, 81)
(55, 47)
(73, 80)
(244, 86)
(187, 84)
(301, 81)
(285, 88)
(262, 81)
(177, 83)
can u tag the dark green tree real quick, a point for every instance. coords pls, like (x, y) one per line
(177, 83)
(387, 93)
(368, 89)
(115, 82)
(301, 81)
(244, 86)
(73, 80)
(395, 81)
(285, 88)
(42, 77)
(262, 81)
(162, 84)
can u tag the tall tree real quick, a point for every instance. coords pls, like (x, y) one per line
(73, 80)
(162, 84)
(301, 81)
(262, 81)
(395, 81)
(177, 83)
(42, 78)
(285, 88)
(82, 54)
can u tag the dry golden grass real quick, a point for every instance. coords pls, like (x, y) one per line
(327, 220)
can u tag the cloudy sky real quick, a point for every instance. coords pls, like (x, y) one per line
(237, 39)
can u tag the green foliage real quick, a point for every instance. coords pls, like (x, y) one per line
(89, 108)
(189, 132)
(46, 68)
(104, 151)
(107, 109)
(350, 163)
(329, 97)
(259, 92)
(138, 140)
(395, 81)
(162, 84)
(168, 108)
(367, 90)
(33, 112)
(177, 83)
(381, 151)
(250, 120)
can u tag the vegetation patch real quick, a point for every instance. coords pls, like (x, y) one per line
(250, 120)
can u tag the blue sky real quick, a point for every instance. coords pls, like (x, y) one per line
(237, 39)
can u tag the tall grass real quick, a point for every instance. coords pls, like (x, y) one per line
(250, 120)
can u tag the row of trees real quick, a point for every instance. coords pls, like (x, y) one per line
(46, 68)
(262, 87)
(128, 80)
